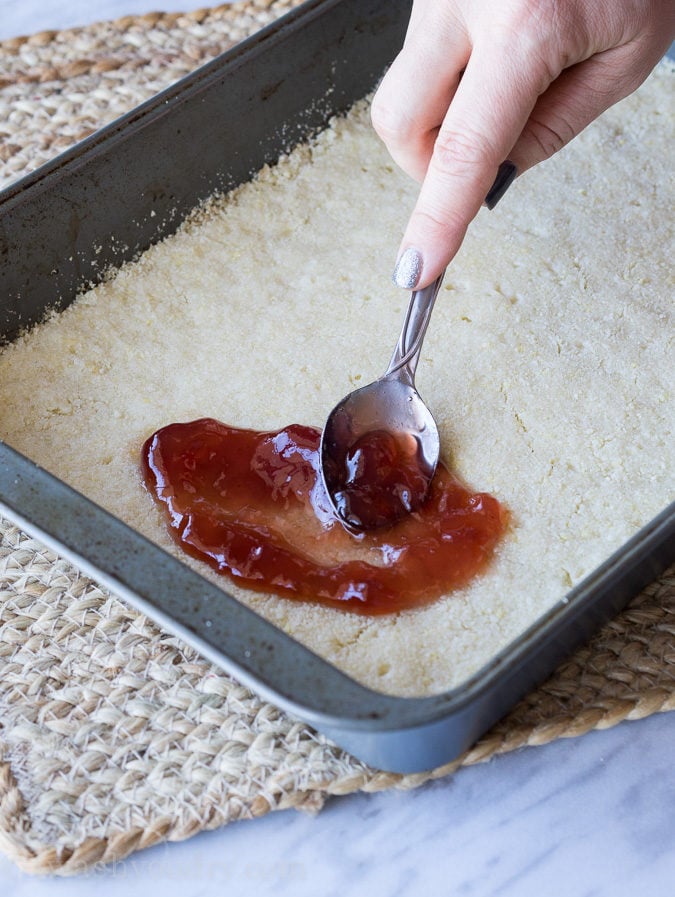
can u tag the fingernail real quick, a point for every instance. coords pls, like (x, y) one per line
(408, 269)
(506, 174)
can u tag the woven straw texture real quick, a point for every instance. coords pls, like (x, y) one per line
(115, 735)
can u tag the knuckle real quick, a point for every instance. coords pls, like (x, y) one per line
(457, 153)
(440, 225)
(389, 122)
(548, 139)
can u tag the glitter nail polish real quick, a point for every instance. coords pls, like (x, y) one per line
(408, 269)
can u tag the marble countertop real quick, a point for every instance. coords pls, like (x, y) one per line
(580, 817)
(583, 817)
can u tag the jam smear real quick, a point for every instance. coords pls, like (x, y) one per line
(379, 481)
(252, 505)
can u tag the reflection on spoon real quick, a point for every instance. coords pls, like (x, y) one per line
(380, 445)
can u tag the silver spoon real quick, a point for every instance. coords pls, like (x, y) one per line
(380, 445)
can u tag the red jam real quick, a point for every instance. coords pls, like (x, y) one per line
(379, 481)
(253, 506)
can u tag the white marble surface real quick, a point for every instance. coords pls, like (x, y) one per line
(585, 817)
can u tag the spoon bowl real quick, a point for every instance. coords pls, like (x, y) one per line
(380, 445)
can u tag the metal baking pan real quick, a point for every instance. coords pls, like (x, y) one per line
(99, 205)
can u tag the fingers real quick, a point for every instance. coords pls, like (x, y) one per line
(575, 99)
(493, 82)
(420, 9)
(414, 95)
(489, 110)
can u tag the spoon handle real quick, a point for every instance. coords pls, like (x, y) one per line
(418, 314)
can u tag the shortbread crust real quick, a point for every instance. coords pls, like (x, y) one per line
(548, 363)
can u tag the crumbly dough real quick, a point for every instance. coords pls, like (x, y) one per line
(548, 363)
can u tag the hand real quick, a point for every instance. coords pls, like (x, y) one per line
(481, 81)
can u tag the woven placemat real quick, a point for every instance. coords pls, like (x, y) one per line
(115, 735)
